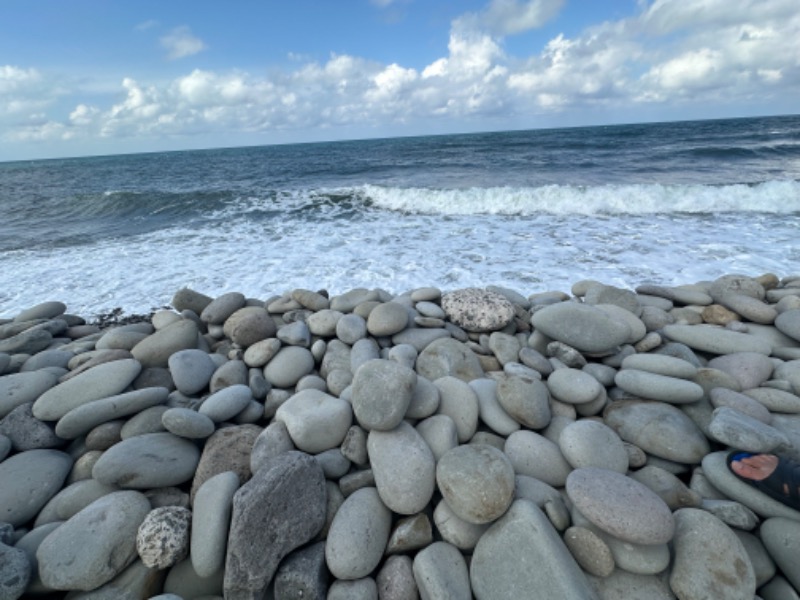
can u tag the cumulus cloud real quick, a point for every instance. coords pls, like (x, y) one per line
(180, 43)
(670, 53)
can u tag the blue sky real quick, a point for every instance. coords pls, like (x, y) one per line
(98, 77)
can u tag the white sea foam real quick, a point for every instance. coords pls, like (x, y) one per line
(769, 197)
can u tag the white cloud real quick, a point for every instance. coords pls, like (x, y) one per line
(180, 43)
(510, 17)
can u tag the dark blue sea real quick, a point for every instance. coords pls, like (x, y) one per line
(671, 203)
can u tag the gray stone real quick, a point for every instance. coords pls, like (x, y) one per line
(723, 397)
(653, 386)
(163, 537)
(440, 571)
(478, 310)
(354, 445)
(358, 535)
(788, 323)
(763, 565)
(781, 537)
(5, 447)
(84, 418)
(15, 572)
(218, 310)
(260, 353)
(455, 530)
(439, 433)
(211, 516)
(347, 301)
(740, 431)
(526, 400)
(295, 334)
(356, 589)
(447, 356)
(659, 429)
(248, 325)
(120, 339)
(364, 351)
(410, 533)
(44, 310)
(573, 386)
(581, 326)
(148, 461)
(281, 508)
(419, 338)
(334, 464)
(302, 574)
(191, 370)
(27, 342)
(73, 499)
(183, 581)
(404, 468)
(155, 349)
(424, 401)
(107, 379)
(226, 403)
(732, 513)
(149, 420)
(476, 481)
(231, 372)
(228, 449)
(28, 480)
(271, 442)
(750, 369)
(620, 506)
(135, 582)
(622, 585)
(20, 388)
(316, 421)
(778, 589)
(588, 443)
(534, 455)
(188, 299)
(522, 552)
(26, 432)
(395, 580)
(288, 366)
(381, 393)
(352, 328)
(505, 347)
(95, 545)
(709, 560)
(29, 543)
(775, 400)
(187, 423)
(590, 551)
(716, 340)
(323, 322)
(489, 409)
(387, 319)
(668, 487)
(458, 401)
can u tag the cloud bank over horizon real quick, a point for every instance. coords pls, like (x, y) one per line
(668, 58)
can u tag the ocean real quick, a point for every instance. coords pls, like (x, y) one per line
(534, 211)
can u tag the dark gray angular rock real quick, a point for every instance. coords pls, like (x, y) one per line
(26, 432)
(281, 508)
(228, 449)
(15, 572)
(303, 574)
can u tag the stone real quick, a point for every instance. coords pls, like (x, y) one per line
(72, 499)
(386, 319)
(280, 509)
(781, 537)
(410, 533)
(657, 428)
(534, 455)
(146, 421)
(191, 370)
(102, 381)
(722, 397)
(732, 513)
(440, 571)
(788, 323)
(477, 482)
(26, 432)
(84, 418)
(587, 443)
(620, 506)
(420, 338)
(352, 328)
(622, 585)
(30, 341)
(302, 574)
(187, 423)
(20, 388)
(526, 400)
(749, 369)
(584, 327)
(148, 461)
(737, 430)
(716, 340)
(395, 580)
(155, 349)
(15, 572)
(447, 356)
(323, 322)
(259, 354)
(211, 515)
(590, 551)
(404, 468)
(218, 310)
(709, 560)
(288, 366)
(316, 421)
(226, 403)
(95, 545)
(163, 537)
(136, 581)
(271, 442)
(523, 552)
(27, 482)
(231, 372)
(653, 386)
(188, 299)
(248, 325)
(356, 589)
(358, 535)
(778, 588)
(227, 450)
(775, 400)
(489, 409)
(439, 433)
(477, 310)
(455, 530)
(184, 582)
(573, 386)
(381, 393)
(44, 310)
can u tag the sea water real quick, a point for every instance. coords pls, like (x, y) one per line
(666, 203)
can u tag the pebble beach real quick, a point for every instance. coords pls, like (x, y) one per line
(479, 442)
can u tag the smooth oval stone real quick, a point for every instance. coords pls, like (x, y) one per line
(146, 461)
(323, 322)
(620, 506)
(458, 401)
(381, 393)
(775, 400)
(288, 366)
(447, 356)
(424, 401)
(658, 387)
(736, 430)
(351, 328)
(404, 468)
(84, 418)
(584, 327)
(44, 310)
(188, 299)
(95, 545)
(524, 399)
(30, 341)
(622, 585)
(716, 340)
(476, 481)
(781, 538)
(455, 530)
(27, 482)
(102, 381)
(750, 369)
(525, 531)
(358, 535)
(310, 299)
(155, 349)
(295, 334)
(222, 307)
(588, 443)
(788, 323)
(489, 409)
(347, 301)
(191, 370)
(590, 551)
(187, 423)
(260, 353)
(17, 389)
(439, 433)
(723, 397)
(248, 325)
(120, 339)
(387, 319)
(226, 403)
(441, 572)
(419, 338)
(316, 421)
(661, 364)
(659, 429)
(702, 540)
(364, 351)
(534, 455)
(573, 386)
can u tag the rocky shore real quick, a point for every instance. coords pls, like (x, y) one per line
(432, 444)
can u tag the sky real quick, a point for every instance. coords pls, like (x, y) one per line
(89, 77)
